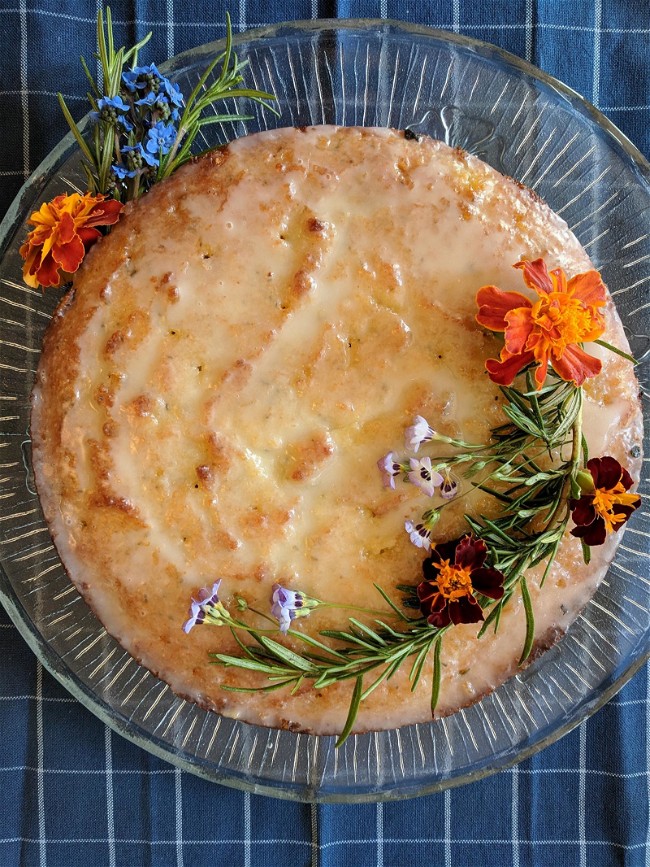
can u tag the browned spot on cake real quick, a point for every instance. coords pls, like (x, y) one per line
(317, 226)
(110, 428)
(205, 473)
(238, 375)
(102, 499)
(305, 458)
(104, 396)
(142, 406)
(220, 452)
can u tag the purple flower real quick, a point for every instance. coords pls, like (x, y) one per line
(419, 432)
(207, 608)
(419, 534)
(289, 604)
(424, 476)
(389, 467)
(160, 138)
(449, 486)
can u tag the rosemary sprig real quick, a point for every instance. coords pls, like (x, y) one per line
(529, 467)
(134, 141)
(360, 650)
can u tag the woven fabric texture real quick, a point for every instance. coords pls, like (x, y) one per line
(75, 793)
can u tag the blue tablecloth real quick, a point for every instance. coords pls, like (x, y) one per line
(75, 793)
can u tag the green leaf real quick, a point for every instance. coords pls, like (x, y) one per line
(530, 622)
(616, 351)
(285, 655)
(352, 713)
(437, 672)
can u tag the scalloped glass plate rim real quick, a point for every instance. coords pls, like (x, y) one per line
(28, 629)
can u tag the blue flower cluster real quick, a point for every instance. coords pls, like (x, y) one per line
(144, 115)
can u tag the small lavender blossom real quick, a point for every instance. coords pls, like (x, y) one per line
(419, 534)
(424, 476)
(449, 486)
(389, 467)
(207, 608)
(419, 432)
(289, 604)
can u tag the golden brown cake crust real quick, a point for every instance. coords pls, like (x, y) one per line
(215, 391)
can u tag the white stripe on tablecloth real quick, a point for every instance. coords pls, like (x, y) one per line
(598, 20)
(42, 851)
(447, 828)
(515, 816)
(582, 781)
(100, 71)
(242, 15)
(529, 31)
(314, 836)
(110, 811)
(380, 835)
(24, 100)
(170, 28)
(456, 16)
(178, 794)
(247, 829)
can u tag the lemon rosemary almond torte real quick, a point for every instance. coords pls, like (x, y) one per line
(236, 357)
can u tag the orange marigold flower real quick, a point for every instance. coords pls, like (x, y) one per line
(64, 230)
(549, 330)
(452, 574)
(605, 504)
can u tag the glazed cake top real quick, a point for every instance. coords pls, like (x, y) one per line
(234, 358)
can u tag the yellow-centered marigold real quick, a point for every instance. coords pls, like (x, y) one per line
(64, 230)
(549, 330)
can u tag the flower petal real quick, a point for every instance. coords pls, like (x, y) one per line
(105, 213)
(69, 256)
(576, 365)
(488, 582)
(520, 326)
(606, 472)
(88, 236)
(48, 273)
(582, 510)
(470, 554)
(494, 303)
(465, 610)
(588, 287)
(536, 276)
(503, 372)
(439, 619)
(593, 534)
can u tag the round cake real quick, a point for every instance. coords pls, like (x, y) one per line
(231, 362)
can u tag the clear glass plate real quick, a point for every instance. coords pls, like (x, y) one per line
(526, 125)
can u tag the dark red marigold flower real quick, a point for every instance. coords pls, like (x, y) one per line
(452, 574)
(607, 507)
